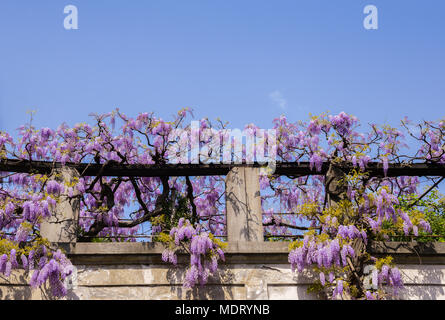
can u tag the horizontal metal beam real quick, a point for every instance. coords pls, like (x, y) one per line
(375, 169)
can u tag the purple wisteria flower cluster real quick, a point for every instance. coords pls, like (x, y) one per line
(43, 264)
(204, 252)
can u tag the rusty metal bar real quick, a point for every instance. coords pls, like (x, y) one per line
(374, 169)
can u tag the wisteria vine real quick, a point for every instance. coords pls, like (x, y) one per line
(336, 215)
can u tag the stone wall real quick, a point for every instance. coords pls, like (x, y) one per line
(135, 271)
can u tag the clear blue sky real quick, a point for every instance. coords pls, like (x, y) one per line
(242, 60)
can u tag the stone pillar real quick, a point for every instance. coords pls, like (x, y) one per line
(243, 205)
(61, 227)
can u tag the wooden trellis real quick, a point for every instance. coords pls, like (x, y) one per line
(243, 201)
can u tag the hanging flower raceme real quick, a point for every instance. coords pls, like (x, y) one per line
(54, 188)
(55, 271)
(204, 249)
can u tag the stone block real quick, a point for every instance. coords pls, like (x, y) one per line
(243, 205)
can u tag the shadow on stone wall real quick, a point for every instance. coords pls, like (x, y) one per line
(15, 293)
(219, 286)
(423, 284)
(419, 266)
(15, 287)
